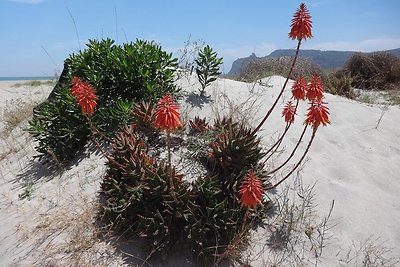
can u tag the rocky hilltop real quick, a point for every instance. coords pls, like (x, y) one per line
(324, 59)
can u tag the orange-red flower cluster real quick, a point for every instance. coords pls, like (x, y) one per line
(299, 88)
(315, 91)
(288, 112)
(317, 113)
(312, 91)
(167, 114)
(301, 24)
(251, 190)
(85, 94)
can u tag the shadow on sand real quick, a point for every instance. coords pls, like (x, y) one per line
(198, 101)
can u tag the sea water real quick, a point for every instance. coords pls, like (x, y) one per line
(38, 78)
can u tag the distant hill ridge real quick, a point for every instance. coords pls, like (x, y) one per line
(324, 59)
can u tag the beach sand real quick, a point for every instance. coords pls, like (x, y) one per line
(353, 163)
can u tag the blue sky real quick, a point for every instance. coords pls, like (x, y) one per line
(37, 35)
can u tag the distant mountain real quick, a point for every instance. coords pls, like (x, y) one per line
(324, 59)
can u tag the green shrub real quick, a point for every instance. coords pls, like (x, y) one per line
(340, 85)
(59, 128)
(264, 67)
(140, 70)
(111, 117)
(374, 71)
(121, 75)
(207, 69)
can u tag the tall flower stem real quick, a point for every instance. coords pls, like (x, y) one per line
(171, 182)
(244, 220)
(169, 147)
(275, 146)
(298, 163)
(278, 142)
(291, 154)
(281, 92)
(168, 119)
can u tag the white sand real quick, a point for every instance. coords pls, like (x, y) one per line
(355, 161)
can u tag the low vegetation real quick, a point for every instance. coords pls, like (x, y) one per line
(121, 75)
(377, 71)
(369, 78)
(339, 84)
(258, 69)
(207, 67)
(34, 83)
(16, 112)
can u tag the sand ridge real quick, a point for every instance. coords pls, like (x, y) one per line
(353, 162)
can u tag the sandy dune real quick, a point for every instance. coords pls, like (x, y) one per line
(354, 162)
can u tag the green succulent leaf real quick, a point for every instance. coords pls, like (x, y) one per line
(208, 65)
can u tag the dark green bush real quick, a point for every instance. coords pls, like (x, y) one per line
(120, 74)
(59, 128)
(114, 115)
(140, 70)
(340, 85)
(374, 71)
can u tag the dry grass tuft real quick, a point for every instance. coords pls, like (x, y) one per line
(7, 152)
(370, 253)
(294, 234)
(70, 236)
(16, 112)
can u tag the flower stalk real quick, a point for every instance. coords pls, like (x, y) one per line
(297, 164)
(293, 152)
(168, 119)
(280, 93)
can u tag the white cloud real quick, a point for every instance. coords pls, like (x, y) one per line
(368, 45)
(28, 1)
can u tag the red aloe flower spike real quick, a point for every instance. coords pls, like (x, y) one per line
(315, 89)
(317, 114)
(301, 29)
(301, 24)
(299, 88)
(288, 112)
(168, 119)
(85, 94)
(76, 86)
(251, 190)
(167, 114)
